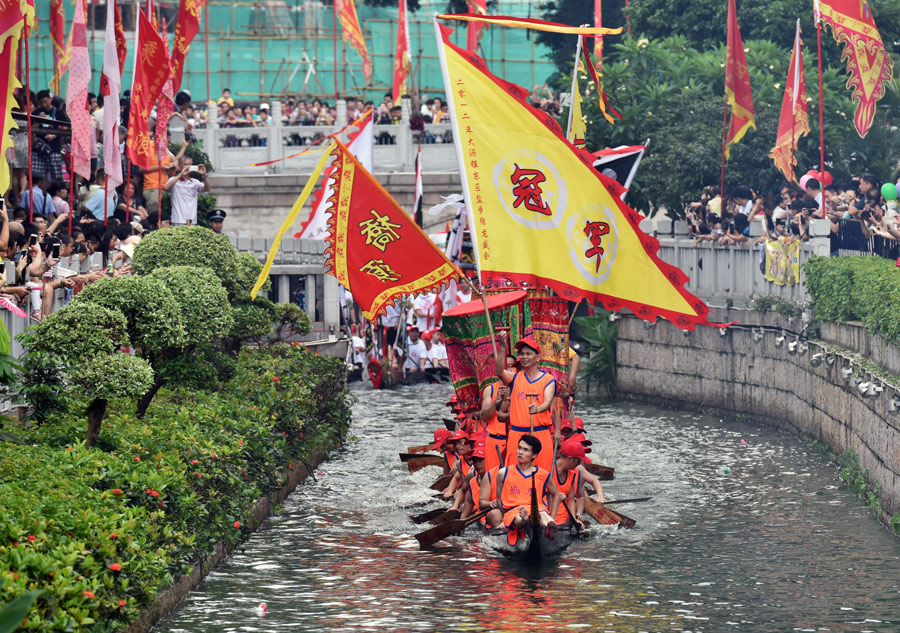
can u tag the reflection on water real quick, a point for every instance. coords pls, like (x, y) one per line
(748, 530)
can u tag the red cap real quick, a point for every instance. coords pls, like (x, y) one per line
(459, 434)
(579, 424)
(574, 448)
(440, 436)
(567, 424)
(530, 342)
(460, 416)
(426, 335)
(581, 438)
(410, 328)
(478, 451)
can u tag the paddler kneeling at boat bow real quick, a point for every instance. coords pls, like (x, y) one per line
(514, 485)
(570, 482)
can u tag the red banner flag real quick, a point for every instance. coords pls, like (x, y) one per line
(478, 7)
(58, 42)
(77, 95)
(794, 121)
(14, 16)
(353, 35)
(165, 106)
(150, 74)
(375, 250)
(598, 41)
(737, 84)
(121, 48)
(868, 64)
(402, 63)
(186, 28)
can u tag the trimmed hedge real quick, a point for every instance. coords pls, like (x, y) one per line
(102, 532)
(865, 289)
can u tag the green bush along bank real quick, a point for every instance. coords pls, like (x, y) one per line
(865, 289)
(102, 532)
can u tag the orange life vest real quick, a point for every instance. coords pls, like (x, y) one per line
(494, 426)
(451, 458)
(573, 478)
(519, 390)
(515, 489)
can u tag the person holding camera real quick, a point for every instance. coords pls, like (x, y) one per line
(185, 189)
(156, 176)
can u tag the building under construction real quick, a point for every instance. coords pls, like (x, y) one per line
(261, 50)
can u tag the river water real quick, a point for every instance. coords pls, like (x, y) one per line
(748, 530)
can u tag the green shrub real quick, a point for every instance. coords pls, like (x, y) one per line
(164, 491)
(253, 319)
(248, 270)
(201, 299)
(290, 320)
(203, 368)
(79, 329)
(113, 376)
(188, 246)
(152, 314)
(865, 289)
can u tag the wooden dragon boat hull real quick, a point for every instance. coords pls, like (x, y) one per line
(534, 547)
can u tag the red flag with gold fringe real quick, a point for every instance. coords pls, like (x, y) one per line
(868, 64)
(794, 121)
(150, 74)
(186, 29)
(737, 83)
(402, 63)
(477, 7)
(376, 251)
(353, 35)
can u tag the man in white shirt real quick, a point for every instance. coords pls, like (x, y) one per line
(437, 355)
(185, 191)
(423, 306)
(390, 319)
(415, 351)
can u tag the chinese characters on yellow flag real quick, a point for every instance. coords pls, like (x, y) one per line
(540, 214)
(375, 249)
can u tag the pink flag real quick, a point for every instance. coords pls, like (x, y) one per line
(164, 109)
(112, 155)
(77, 103)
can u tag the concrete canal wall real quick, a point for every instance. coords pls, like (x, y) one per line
(759, 370)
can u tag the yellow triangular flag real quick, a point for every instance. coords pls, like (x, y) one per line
(541, 214)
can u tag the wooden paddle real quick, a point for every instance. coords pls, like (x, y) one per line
(417, 462)
(603, 473)
(427, 516)
(604, 516)
(635, 500)
(422, 448)
(440, 532)
(449, 515)
(406, 457)
(442, 482)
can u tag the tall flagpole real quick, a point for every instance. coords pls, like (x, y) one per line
(574, 84)
(818, 11)
(30, 139)
(724, 138)
(206, 38)
(334, 45)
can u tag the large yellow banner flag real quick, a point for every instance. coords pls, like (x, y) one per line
(540, 214)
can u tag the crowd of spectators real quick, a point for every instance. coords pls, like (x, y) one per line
(860, 217)
(51, 242)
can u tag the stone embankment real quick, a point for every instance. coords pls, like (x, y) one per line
(836, 389)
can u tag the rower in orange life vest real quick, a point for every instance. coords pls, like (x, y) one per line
(462, 447)
(531, 391)
(495, 413)
(514, 484)
(575, 429)
(473, 484)
(441, 437)
(568, 479)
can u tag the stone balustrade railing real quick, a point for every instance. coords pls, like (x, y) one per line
(233, 150)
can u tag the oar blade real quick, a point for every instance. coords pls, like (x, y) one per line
(446, 517)
(419, 462)
(603, 473)
(440, 532)
(427, 516)
(422, 448)
(605, 516)
(442, 482)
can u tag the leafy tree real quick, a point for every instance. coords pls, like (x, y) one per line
(290, 320)
(599, 335)
(81, 341)
(247, 272)
(189, 246)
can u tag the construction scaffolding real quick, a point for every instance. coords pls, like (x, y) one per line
(261, 50)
